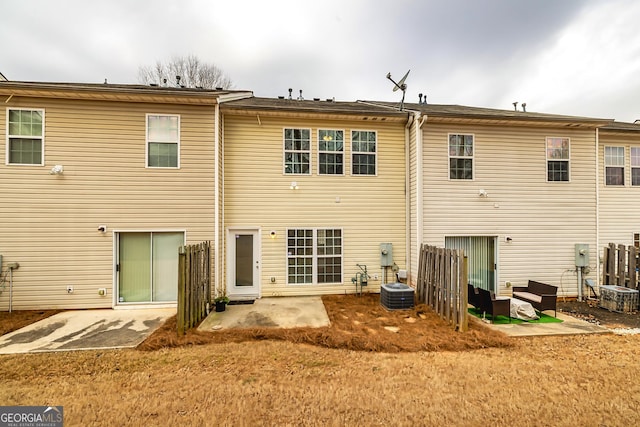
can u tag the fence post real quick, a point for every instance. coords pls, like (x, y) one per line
(180, 317)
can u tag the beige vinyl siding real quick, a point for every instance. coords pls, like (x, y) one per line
(371, 209)
(544, 219)
(619, 218)
(49, 223)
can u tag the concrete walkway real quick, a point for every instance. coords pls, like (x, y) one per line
(86, 330)
(274, 312)
(569, 326)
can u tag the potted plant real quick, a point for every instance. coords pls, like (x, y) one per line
(221, 302)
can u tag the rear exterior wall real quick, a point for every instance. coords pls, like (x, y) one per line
(49, 223)
(543, 219)
(369, 210)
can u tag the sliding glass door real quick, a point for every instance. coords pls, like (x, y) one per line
(147, 267)
(481, 255)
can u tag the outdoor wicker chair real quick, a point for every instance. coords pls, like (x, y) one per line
(495, 307)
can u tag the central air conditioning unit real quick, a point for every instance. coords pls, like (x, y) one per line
(396, 296)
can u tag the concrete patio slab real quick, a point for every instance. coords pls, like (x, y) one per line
(569, 326)
(274, 312)
(86, 330)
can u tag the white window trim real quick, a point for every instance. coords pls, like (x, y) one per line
(344, 162)
(284, 150)
(631, 166)
(375, 154)
(624, 169)
(314, 257)
(41, 110)
(146, 148)
(472, 157)
(547, 159)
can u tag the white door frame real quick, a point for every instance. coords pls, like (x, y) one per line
(234, 291)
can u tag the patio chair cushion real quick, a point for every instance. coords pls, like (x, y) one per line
(528, 296)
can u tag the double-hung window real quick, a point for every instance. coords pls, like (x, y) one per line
(297, 151)
(330, 152)
(363, 152)
(635, 165)
(460, 156)
(558, 159)
(314, 256)
(614, 165)
(163, 141)
(25, 137)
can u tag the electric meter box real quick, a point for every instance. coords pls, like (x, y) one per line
(582, 255)
(386, 255)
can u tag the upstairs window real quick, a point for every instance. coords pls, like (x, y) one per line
(25, 137)
(635, 165)
(363, 152)
(163, 141)
(558, 159)
(330, 152)
(460, 156)
(614, 165)
(297, 151)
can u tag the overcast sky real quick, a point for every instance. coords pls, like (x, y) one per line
(575, 57)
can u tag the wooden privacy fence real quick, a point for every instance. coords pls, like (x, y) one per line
(619, 266)
(194, 285)
(442, 284)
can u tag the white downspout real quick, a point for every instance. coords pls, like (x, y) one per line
(597, 251)
(420, 184)
(407, 190)
(216, 202)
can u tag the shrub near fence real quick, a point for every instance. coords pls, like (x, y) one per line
(442, 284)
(194, 285)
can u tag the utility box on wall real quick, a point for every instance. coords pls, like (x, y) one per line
(582, 255)
(386, 255)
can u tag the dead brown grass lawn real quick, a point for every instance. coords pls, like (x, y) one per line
(580, 380)
(357, 323)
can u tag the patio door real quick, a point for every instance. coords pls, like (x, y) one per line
(243, 263)
(481, 255)
(147, 267)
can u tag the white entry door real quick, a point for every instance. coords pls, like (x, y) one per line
(243, 265)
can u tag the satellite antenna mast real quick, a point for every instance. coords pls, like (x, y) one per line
(401, 85)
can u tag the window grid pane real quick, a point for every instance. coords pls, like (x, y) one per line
(557, 151)
(329, 243)
(461, 157)
(558, 171)
(364, 149)
(25, 131)
(163, 137)
(312, 253)
(300, 256)
(330, 152)
(297, 151)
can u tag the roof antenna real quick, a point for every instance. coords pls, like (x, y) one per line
(400, 85)
(300, 98)
(515, 106)
(290, 90)
(524, 107)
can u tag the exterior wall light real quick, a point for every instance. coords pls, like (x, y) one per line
(294, 185)
(57, 170)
